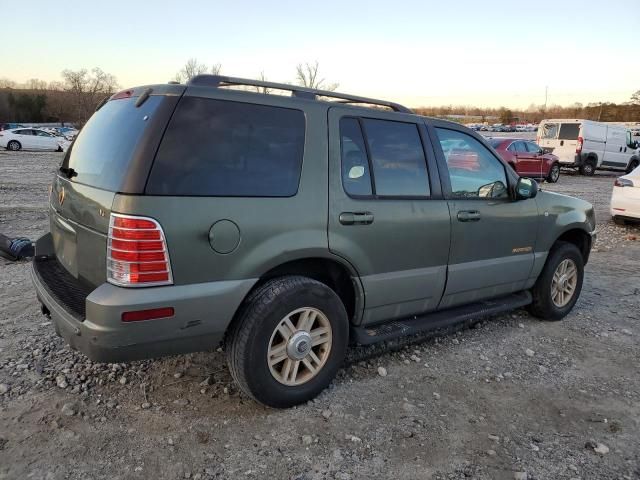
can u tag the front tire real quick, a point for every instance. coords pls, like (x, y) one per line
(633, 164)
(288, 341)
(554, 173)
(14, 145)
(558, 287)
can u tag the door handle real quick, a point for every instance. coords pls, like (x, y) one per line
(561, 143)
(468, 216)
(356, 218)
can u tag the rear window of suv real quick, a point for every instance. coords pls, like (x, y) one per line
(106, 145)
(225, 148)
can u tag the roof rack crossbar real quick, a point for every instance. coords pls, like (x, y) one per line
(296, 91)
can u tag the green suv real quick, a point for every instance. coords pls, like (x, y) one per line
(288, 227)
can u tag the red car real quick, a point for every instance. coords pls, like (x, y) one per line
(527, 158)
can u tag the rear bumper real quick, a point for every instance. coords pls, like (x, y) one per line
(575, 161)
(202, 313)
(625, 203)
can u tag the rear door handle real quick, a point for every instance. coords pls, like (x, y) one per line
(468, 216)
(356, 218)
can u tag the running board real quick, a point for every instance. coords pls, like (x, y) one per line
(438, 320)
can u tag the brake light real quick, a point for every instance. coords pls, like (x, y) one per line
(122, 94)
(137, 254)
(579, 145)
(622, 182)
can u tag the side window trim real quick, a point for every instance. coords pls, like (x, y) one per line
(360, 119)
(367, 151)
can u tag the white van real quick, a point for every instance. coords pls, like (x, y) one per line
(589, 145)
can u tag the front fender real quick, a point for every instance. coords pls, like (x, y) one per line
(561, 214)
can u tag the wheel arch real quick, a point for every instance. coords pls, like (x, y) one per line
(633, 159)
(580, 238)
(336, 274)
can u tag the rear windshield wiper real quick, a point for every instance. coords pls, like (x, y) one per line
(68, 172)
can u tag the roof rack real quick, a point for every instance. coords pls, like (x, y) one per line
(296, 91)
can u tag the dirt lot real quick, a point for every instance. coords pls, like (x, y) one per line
(511, 398)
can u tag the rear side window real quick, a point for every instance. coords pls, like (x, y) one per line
(224, 148)
(356, 177)
(569, 131)
(397, 158)
(382, 158)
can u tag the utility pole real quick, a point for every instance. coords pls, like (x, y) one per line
(546, 96)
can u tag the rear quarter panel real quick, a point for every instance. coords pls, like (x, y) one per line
(272, 230)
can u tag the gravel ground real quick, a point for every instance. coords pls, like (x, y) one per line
(512, 397)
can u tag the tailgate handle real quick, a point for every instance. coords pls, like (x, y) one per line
(468, 216)
(356, 218)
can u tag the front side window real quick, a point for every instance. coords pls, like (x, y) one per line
(473, 171)
(225, 148)
(520, 147)
(533, 147)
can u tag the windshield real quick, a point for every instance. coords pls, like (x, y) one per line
(102, 151)
(494, 142)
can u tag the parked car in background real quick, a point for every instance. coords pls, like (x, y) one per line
(588, 145)
(527, 158)
(625, 198)
(9, 126)
(31, 139)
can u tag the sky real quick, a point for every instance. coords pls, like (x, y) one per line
(417, 52)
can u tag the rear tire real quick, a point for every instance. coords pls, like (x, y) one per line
(558, 287)
(554, 173)
(619, 221)
(272, 351)
(14, 145)
(633, 164)
(588, 168)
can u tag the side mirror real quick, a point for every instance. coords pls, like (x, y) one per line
(526, 188)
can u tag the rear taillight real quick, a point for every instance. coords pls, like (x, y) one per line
(622, 182)
(579, 145)
(137, 254)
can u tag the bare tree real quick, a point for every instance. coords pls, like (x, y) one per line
(307, 75)
(36, 84)
(7, 83)
(263, 78)
(86, 89)
(193, 67)
(635, 98)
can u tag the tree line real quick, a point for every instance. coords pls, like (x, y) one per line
(599, 111)
(75, 97)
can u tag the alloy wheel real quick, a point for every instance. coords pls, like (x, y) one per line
(299, 346)
(564, 282)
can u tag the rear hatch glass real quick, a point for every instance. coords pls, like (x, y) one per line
(549, 131)
(569, 131)
(103, 150)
